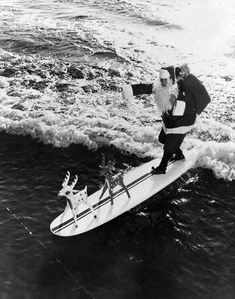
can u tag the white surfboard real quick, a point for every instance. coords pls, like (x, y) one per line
(141, 185)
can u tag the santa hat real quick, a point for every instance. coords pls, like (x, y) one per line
(170, 70)
(164, 74)
(177, 71)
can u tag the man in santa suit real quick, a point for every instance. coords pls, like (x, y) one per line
(178, 117)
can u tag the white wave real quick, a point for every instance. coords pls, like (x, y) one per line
(101, 117)
(98, 126)
(214, 130)
(219, 157)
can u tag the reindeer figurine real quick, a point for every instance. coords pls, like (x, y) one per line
(111, 180)
(74, 197)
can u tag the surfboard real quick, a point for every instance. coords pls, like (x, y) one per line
(141, 185)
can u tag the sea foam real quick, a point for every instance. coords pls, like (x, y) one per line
(220, 157)
(43, 98)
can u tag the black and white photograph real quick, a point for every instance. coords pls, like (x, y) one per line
(117, 149)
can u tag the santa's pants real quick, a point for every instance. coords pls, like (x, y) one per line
(172, 142)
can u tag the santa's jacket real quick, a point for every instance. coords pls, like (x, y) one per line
(178, 120)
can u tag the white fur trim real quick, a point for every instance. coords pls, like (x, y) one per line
(127, 91)
(178, 130)
(179, 108)
(164, 74)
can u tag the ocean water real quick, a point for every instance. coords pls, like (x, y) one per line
(62, 65)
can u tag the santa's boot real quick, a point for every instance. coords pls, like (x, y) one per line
(161, 168)
(177, 156)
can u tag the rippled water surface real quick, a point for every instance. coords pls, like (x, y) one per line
(179, 244)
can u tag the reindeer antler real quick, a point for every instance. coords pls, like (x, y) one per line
(66, 180)
(74, 182)
(102, 165)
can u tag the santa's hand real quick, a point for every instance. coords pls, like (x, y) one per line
(127, 91)
(173, 100)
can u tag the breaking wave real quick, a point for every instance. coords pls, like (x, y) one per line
(61, 73)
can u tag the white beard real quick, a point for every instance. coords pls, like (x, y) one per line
(162, 98)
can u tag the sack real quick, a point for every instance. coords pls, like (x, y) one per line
(202, 98)
(195, 90)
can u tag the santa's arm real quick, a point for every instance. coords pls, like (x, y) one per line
(129, 90)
